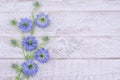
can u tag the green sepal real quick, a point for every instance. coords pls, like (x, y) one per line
(29, 56)
(45, 38)
(16, 67)
(13, 22)
(26, 57)
(14, 43)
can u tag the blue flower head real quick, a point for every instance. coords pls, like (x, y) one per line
(42, 55)
(25, 25)
(29, 68)
(29, 43)
(42, 20)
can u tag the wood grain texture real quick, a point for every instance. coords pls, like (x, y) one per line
(69, 47)
(72, 69)
(68, 24)
(84, 43)
(61, 5)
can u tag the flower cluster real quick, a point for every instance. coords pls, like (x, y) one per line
(33, 51)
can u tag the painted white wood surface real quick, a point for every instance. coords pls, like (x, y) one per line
(84, 41)
(69, 47)
(62, 5)
(68, 24)
(68, 69)
(85, 30)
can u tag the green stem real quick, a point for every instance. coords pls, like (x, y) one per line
(33, 19)
(19, 75)
(23, 47)
(33, 14)
(23, 52)
(42, 44)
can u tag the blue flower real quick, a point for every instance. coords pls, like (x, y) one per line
(42, 20)
(29, 43)
(25, 25)
(29, 68)
(42, 55)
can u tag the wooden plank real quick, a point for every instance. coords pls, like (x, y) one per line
(69, 47)
(68, 24)
(61, 5)
(74, 69)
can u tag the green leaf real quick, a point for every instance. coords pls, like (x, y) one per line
(13, 22)
(36, 4)
(14, 43)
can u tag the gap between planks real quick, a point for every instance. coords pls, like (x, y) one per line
(73, 35)
(62, 11)
(68, 58)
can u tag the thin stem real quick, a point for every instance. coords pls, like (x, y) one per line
(42, 44)
(33, 14)
(19, 75)
(33, 19)
(30, 54)
(23, 52)
(23, 47)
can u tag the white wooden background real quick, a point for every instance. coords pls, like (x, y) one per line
(85, 39)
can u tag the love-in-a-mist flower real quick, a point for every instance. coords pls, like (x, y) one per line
(42, 20)
(25, 25)
(42, 55)
(29, 68)
(29, 43)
